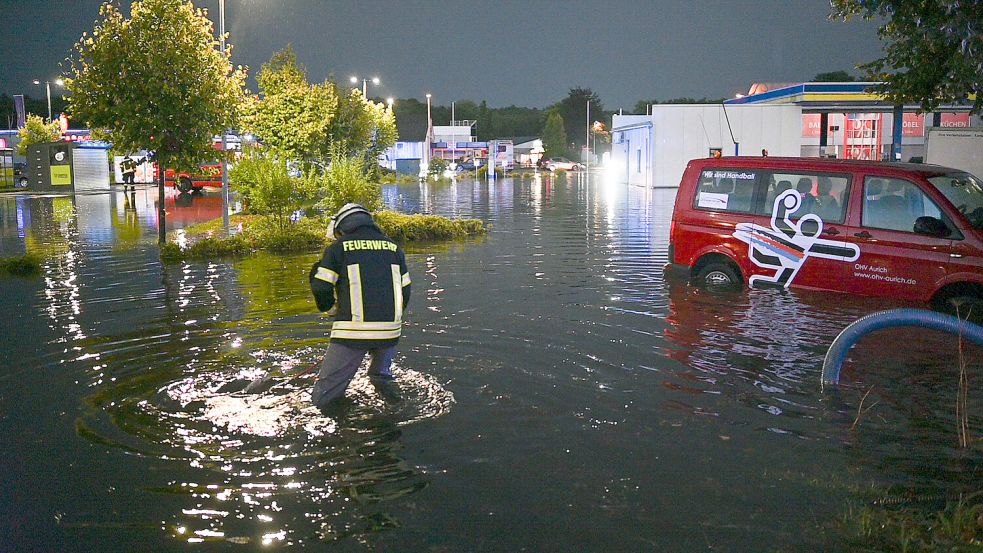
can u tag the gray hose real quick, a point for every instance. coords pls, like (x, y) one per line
(889, 319)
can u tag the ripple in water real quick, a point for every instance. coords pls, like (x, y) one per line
(271, 467)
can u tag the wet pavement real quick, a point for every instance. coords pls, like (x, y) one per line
(554, 392)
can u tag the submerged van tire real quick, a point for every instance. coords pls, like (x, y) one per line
(718, 275)
(184, 185)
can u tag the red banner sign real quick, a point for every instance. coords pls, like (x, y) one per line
(954, 120)
(913, 124)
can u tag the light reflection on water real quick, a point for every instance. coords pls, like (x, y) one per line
(550, 377)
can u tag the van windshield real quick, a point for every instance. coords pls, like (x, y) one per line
(965, 192)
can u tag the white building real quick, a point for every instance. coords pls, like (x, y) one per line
(653, 150)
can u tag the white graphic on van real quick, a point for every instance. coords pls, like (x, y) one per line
(786, 245)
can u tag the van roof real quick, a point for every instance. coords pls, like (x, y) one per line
(823, 163)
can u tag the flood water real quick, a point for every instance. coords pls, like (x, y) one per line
(555, 392)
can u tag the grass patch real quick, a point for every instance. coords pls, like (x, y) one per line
(411, 228)
(22, 265)
(958, 526)
(260, 233)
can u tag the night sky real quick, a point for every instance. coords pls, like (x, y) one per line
(526, 53)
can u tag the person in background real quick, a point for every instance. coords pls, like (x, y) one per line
(129, 169)
(362, 279)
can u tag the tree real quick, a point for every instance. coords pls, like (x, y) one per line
(933, 51)
(36, 131)
(833, 77)
(573, 109)
(361, 127)
(291, 116)
(554, 136)
(156, 81)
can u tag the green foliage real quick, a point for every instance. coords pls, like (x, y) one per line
(292, 117)
(266, 187)
(933, 51)
(407, 228)
(642, 106)
(156, 81)
(23, 265)
(345, 182)
(361, 128)
(511, 121)
(833, 77)
(307, 235)
(957, 527)
(37, 106)
(483, 171)
(36, 131)
(554, 135)
(438, 166)
(573, 109)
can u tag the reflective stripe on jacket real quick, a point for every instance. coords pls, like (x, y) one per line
(363, 275)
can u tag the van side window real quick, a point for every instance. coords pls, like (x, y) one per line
(729, 190)
(820, 194)
(894, 204)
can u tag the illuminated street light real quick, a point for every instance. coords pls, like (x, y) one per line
(47, 88)
(375, 81)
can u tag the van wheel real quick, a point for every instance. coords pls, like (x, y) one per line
(184, 185)
(718, 275)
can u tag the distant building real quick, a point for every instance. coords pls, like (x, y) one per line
(843, 120)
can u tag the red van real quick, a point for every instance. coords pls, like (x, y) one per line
(906, 231)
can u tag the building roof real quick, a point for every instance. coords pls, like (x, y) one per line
(835, 97)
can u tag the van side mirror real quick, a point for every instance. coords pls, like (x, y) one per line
(931, 226)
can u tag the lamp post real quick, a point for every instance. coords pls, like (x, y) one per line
(225, 165)
(426, 153)
(47, 88)
(375, 81)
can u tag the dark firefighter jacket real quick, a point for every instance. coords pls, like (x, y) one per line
(364, 273)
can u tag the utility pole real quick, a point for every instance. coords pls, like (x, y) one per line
(225, 165)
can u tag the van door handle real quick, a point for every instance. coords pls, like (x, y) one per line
(863, 234)
(831, 231)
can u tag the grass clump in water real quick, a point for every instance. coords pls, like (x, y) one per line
(260, 233)
(409, 228)
(22, 265)
(957, 527)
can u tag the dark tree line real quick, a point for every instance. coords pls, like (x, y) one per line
(37, 106)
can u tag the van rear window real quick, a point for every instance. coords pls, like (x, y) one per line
(754, 191)
(726, 190)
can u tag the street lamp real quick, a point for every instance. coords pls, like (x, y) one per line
(225, 165)
(375, 81)
(426, 153)
(47, 88)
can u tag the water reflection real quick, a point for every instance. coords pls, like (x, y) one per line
(550, 367)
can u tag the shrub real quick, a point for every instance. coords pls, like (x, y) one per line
(407, 228)
(309, 234)
(437, 166)
(24, 265)
(36, 131)
(266, 187)
(483, 171)
(346, 182)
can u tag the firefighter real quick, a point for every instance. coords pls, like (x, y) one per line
(363, 281)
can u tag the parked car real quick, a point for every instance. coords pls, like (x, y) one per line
(905, 231)
(208, 174)
(469, 165)
(561, 163)
(20, 174)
